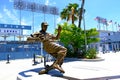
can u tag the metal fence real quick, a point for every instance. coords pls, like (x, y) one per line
(19, 50)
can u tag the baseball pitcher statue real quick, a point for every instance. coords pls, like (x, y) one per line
(50, 46)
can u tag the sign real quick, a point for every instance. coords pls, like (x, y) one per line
(8, 31)
(15, 26)
(34, 7)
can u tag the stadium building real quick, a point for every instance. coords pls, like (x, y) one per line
(109, 41)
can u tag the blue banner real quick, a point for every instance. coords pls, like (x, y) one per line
(15, 26)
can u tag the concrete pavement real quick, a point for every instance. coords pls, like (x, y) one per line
(75, 69)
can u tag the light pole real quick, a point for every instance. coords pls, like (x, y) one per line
(81, 16)
(85, 31)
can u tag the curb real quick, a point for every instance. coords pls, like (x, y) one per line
(93, 60)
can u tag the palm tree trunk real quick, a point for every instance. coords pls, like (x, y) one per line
(72, 15)
(73, 19)
(81, 13)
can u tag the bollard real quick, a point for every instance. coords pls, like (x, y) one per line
(34, 61)
(8, 59)
(44, 61)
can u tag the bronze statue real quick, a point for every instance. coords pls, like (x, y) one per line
(50, 46)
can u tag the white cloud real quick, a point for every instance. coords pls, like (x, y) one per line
(23, 22)
(47, 2)
(11, 0)
(13, 16)
(0, 16)
(58, 20)
(10, 16)
(54, 2)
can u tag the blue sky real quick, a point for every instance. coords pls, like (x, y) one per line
(108, 9)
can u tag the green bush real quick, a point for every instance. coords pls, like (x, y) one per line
(91, 53)
(70, 53)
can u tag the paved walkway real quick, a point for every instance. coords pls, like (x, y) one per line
(75, 69)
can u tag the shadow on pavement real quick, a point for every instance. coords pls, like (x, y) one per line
(52, 73)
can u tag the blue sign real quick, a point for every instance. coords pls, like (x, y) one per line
(15, 26)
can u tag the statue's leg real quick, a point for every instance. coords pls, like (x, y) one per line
(47, 67)
(59, 61)
(53, 66)
(43, 71)
(60, 64)
(46, 70)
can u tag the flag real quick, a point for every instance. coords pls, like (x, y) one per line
(118, 25)
(104, 20)
(97, 18)
(110, 21)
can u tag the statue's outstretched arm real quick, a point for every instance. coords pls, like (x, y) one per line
(58, 35)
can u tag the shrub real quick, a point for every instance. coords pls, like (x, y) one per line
(70, 53)
(91, 53)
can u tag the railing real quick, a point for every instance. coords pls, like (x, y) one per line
(19, 50)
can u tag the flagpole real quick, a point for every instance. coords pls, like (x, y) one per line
(116, 28)
(106, 25)
(115, 25)
(106, 28)
(99, 24)
(103, 27)
(112, 27)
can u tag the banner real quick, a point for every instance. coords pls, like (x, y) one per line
(15, 26)
(7, 31)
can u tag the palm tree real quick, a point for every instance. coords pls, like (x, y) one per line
(70, 12)
(65, 14)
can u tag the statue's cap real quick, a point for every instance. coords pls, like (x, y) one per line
(44, 23)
